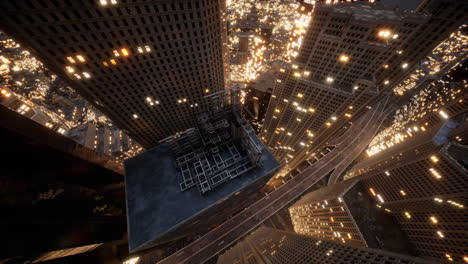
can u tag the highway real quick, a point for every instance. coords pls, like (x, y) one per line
(355, 139)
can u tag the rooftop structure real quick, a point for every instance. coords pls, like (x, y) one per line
(142, 64)
(222, 147)
(198, 178)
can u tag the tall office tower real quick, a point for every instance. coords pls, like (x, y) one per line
(422, 183)
(146, 65)
(333, 76)
(340, 70)
(446, 16)
(267, 245)
(194, 181)
(346, 213)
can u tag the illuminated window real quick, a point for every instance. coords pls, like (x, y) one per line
(330, 80)
(435, 173)
(277, 111)
(296, 74)
(404, 65)
(433, 219)
(387, 173)
(140, 50)
(443, 114)
(80, 58)
(70, 69)
(116, 53)
(113, 61)
(294, 66)
(386, 82)
(384, 33)
(440, 234)
(289, 134)
(344, 58)
(132, 260)
(403, 192)
(207, 90)
(408, 215)
(135, 116)
(61, 130)
(333, 118)
(5, 93)
(86, 75)
(356, 87)
(300, 95)
(70, 59)
(103, 2)
(312, 110)
(395, 36)
(105, 63)
(147, 48)
(125, 52)
(23, 109)
(434, 159)
(449, 257)
(328, 124)
(385, 66)
(306, 73)
(380, 198)
(302, 143)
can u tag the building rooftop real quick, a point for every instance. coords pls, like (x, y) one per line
(158, 199)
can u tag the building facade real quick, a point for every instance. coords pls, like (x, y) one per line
(422, 184)
(344, 212)
(350, 56)
(334, 73)
(267, 245)
(145, 65)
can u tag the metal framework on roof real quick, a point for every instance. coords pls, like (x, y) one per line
(222, 147)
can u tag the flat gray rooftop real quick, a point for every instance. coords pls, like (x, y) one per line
(155, 203)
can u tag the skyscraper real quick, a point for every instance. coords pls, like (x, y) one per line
(267, 245)
(197, 179)
(345, 212)
(422, 183)
(334, 74)
(146, 65)
(344, 65)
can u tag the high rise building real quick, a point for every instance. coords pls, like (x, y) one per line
(345, 212)
(422, 183)
(343, 66)
(267, 245)
(333, 76)
(196, 179)
(145, 65)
